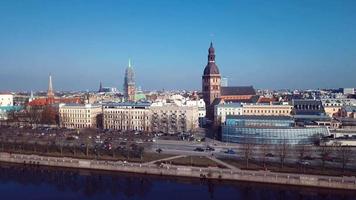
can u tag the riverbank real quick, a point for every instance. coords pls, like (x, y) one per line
(348, 183)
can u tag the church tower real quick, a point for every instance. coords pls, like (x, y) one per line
(211, 82)
(129, 84)
(50, 92)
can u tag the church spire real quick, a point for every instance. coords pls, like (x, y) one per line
(50, 92)
(211, 56)
(101, 87)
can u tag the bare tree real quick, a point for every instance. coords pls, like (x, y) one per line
(325, 152)
(283, 150)
(344, 153)
(247, 149)
(264, 152)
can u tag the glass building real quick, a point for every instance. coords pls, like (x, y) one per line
(269, 130)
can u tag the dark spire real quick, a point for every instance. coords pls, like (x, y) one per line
(100, 87)
(211, 67)
(211, 56)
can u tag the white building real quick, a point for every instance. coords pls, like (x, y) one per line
(201, 109)
(6, 100)
(172, 118)
(222, 110)
(127, 116)
(349, 91)
(79, 116)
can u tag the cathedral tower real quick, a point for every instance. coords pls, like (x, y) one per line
(129, 84)
(211, 82)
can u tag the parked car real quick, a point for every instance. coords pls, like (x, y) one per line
(304, 163)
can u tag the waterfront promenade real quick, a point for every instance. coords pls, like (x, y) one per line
(348, 183)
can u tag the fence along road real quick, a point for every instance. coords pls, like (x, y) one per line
(184, 171)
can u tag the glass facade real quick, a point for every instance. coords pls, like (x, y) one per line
(269, 131)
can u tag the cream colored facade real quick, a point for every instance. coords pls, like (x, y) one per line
(222, 110)
(171, 118)
(77, 116)
(267, 109)
(127, 116)
(6, 100)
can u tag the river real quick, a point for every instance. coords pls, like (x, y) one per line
(19, 182)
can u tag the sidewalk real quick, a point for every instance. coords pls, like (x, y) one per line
(166, 159)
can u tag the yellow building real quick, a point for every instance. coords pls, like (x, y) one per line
(79, 115)
(267, 109)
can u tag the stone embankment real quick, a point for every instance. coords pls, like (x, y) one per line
(348, 183)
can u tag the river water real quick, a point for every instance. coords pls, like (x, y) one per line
(18, 182)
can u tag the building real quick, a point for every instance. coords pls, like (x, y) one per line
(237, 93)
(223, 110)
(258, 109)
(224, 82)
(211, 82)
(348, 91)
(6, 100)
(201, 109)
(269, 130)
(171, 118)
(129, 84)
(52, 99)
(214, 92)
(127, 116)
(348, 112)
(267, 109)
(78, 116)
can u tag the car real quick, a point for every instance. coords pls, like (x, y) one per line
(269, 155)
(159, 150)
(199, 149)
(308, 158)
(209, 148)
(304, 163)
(230, 151)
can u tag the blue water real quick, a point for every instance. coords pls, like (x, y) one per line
(24, 182)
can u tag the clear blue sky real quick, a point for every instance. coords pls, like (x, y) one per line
(268, 44)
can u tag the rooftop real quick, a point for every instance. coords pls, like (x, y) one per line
(237, 90)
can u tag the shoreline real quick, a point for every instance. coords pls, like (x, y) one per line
(262, 177)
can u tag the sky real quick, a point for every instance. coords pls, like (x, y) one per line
(273, 44)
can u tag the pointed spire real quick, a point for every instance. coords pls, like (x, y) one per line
(50, 92)
(211, 44)
(100, 87)
(130, 62)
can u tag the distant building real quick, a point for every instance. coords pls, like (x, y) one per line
(6, 100)
(78, 116)
(51, 99)
(129, 84)
(224, 82)
(349, 91)
(308, 107)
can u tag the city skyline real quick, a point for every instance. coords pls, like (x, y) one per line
(91, 43)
